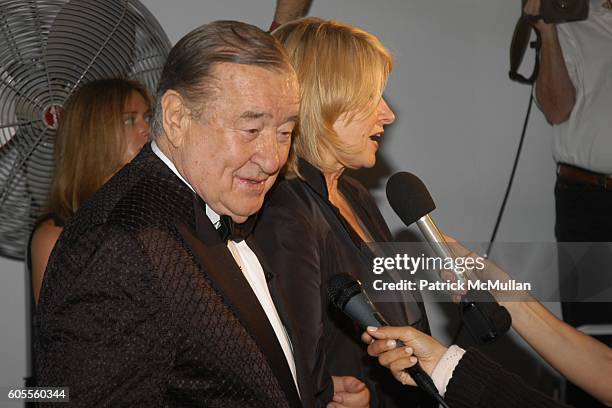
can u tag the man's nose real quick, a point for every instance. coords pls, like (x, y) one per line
(267, 154)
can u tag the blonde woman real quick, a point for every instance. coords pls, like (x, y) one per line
(104, 125)
(317, 221)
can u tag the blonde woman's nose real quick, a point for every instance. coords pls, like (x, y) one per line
(385, 114)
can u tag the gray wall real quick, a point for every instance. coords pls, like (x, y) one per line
(12, 326)
(458, 124)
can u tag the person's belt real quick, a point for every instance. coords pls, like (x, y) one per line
(584, 176)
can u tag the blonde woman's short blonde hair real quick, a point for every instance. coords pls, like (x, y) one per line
(341, 69)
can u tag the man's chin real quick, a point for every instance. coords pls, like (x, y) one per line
(238, 219)
(241, 215)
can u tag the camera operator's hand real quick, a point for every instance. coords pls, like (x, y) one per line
(554, 90)
(532, 8)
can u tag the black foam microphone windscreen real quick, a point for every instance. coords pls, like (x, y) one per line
(409, 197)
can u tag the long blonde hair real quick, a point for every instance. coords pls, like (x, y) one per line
(340, 69)
(89, 143)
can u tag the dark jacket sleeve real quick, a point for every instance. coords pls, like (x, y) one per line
(290, 238)
(99, 330)
(479, 382)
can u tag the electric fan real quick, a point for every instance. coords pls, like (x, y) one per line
(48, 48)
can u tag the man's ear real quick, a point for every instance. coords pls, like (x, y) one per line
(175, 117)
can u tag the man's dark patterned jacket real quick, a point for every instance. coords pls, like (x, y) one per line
(143, 305)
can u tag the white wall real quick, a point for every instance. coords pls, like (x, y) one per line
(458, 123)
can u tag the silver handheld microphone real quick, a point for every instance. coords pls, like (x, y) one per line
(410, 199)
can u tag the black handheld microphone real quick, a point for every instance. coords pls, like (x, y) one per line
(346, 294)
(411, 201)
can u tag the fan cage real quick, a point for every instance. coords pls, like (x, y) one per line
(48, 49)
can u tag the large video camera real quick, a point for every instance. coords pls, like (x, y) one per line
(551, 11)
(560, 11)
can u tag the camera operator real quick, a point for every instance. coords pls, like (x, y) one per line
(574, 91)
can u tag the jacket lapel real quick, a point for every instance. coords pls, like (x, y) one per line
(281, 302)
(215, 258)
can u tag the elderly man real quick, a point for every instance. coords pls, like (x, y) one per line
(145, 302)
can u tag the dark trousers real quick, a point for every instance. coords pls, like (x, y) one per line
(584, 215)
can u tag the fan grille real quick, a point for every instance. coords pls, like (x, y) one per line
(48, 48)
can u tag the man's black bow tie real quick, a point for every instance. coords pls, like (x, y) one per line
(228, 229)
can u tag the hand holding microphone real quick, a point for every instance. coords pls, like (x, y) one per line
(346, 294)
(417, 346)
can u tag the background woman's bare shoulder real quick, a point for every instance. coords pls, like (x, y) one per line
(43, 240)
(46, 235)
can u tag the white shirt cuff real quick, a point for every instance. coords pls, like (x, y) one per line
(443, 371)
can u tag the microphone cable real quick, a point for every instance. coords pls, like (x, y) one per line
(512, 174)
(520, 39)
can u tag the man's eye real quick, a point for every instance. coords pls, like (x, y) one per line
(129, 121)
(253, 132)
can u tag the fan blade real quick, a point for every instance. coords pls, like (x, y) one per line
(88, 41)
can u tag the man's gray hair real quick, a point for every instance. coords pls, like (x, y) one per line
(188, 69)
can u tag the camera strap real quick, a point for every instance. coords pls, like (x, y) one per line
(520, 41)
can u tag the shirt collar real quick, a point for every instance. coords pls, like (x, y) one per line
(313, 177)
(316, 180)
(210, 213)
